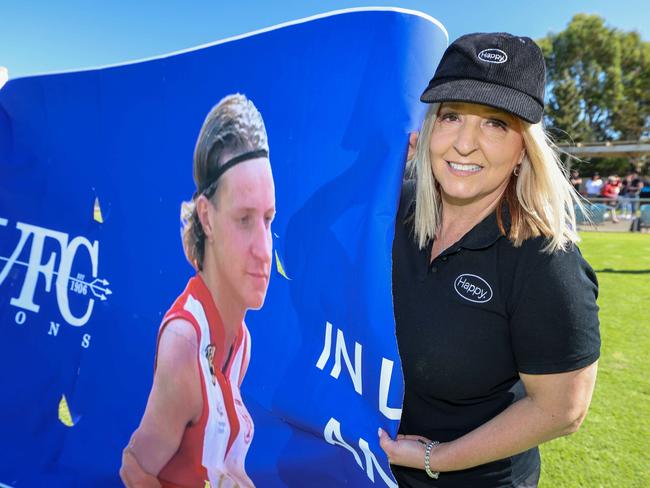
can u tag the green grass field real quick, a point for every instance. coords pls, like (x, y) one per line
(612, 448)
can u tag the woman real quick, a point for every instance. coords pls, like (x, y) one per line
(196, 431)
(610, 192)
(495, 308)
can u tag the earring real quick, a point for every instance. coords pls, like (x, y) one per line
(516, 170)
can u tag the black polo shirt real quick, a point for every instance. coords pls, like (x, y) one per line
(470, 321)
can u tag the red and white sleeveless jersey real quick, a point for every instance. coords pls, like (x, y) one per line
(213, 450)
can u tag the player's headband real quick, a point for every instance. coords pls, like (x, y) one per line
(209, 186)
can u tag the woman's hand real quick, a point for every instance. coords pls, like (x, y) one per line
(406, 450)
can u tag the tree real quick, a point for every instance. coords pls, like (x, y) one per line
(564, 108)
(598, 83)
(633, 112)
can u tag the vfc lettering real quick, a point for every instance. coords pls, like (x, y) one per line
(96, 289)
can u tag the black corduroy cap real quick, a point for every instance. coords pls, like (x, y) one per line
(495, 69)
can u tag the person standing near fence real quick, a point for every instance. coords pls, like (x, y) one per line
(634, 192)
(593, 186)
(576, 180)
(624, 201)
(610, 193)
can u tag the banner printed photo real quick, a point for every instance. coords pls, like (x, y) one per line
(95, 166)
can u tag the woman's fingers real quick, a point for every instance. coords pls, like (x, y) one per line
(390, 446)
(406, 450)
(385, 441)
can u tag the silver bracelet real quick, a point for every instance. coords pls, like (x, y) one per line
(427, 453)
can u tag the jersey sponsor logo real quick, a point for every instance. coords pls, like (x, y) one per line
(473, 288)
(493, 55)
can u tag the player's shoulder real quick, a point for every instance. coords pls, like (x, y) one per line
(181, 328)
(565, 265)
(178, 343)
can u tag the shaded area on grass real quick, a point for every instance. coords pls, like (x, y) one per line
(623, 271)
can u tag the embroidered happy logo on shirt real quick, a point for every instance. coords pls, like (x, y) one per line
(473, 288)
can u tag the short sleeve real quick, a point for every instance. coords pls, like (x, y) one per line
(554, 325)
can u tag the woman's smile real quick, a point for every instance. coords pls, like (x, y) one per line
(464, 169)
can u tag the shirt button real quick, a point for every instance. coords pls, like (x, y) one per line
(434, 269)
(444, 259)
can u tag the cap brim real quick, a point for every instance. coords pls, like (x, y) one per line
(484, 93)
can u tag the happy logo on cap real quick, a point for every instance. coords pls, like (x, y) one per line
(505, 72)
(493, 55)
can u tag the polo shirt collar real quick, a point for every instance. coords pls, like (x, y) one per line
(481, 236)
(486, 232)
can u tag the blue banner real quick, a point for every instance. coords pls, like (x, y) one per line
(94, 166)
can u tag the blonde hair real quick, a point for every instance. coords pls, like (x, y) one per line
(541, 199)
(234, 125)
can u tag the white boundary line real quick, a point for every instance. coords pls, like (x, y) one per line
(254, 33)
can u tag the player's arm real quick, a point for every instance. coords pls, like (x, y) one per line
(174, 402)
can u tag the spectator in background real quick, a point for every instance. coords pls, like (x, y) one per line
(576, 180)
(624, 201)
(593, 186)
(610, 191)
(633, 191)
